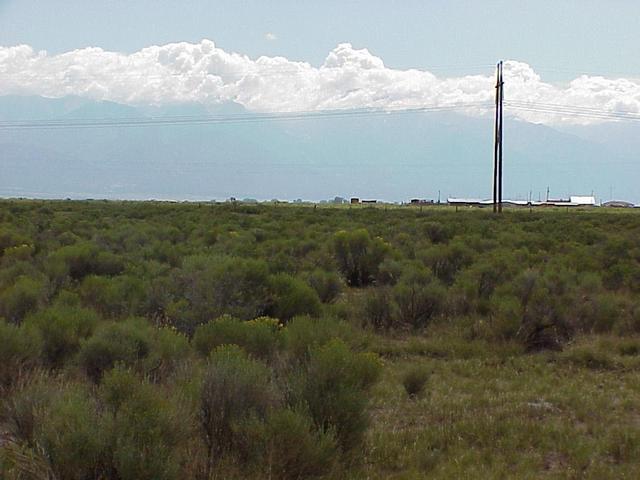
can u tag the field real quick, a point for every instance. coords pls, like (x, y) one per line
(144, 340)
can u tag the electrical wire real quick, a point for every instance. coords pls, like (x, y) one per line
(239, 116)
(571, 107)
(573, 111)
(228, 119)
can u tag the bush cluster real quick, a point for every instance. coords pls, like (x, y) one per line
(161, 340)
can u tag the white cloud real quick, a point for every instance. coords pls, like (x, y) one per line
(270, 36)
(348, 78)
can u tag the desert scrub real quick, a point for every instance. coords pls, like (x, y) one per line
(259, 337)
(590, 356)
(415, 379)
(235, 389)
(334, 386)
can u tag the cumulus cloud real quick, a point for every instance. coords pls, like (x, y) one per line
(349, 78)
(270, 36)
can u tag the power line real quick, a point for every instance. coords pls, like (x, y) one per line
(603, 115)
(539, 107)
(579, 108)
(241, 116)
(228, 119)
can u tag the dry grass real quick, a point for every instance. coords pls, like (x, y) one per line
(524, 416)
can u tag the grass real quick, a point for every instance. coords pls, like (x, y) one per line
(415, 379)
(495, 416)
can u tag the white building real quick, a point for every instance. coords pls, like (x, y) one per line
(583, 201)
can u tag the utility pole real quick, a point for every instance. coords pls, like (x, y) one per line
(497, 145)
(500, 139)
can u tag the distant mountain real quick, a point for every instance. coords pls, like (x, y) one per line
(391, 157)
(13, 107)
(622, 138)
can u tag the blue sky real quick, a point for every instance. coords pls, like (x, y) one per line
(557, 38)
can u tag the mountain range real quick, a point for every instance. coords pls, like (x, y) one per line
(385, 157)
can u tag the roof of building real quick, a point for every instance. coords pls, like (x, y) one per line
(473, 201)
(617, 203)
(582, 200)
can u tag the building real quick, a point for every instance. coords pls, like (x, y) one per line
(355, 200)
(572, 201)
(617, 204)
(583, 201)
(469, 202)
(419, 201)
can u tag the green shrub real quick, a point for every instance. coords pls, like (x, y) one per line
(21, 298)
(419, 297)
(258, 337)
(118, 386)
(599, 313)
(292, 297)
(389, 272)
(303, 334)
(215, 286)
(294, 448)
(62, 329)
(335, 387)
(10, 239)
(146, 429)
(107, 263)
(446, 261)
(113, 296)
(544, 301)
(358, 255)
(437, 232)
(22, 412)
(326, 284)
(475, 285)
(19, 352)
(377, 308)
(82, 259)
(235, 389)
(170, 349)
(127, 343)
(505, 323)
(414, 380)
(73, 436)
(67, 298)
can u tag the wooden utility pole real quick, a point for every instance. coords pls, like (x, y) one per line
(497, 145)
(501, 89)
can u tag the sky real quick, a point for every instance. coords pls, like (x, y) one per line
(564, 36)
(298, 56)
(568, 63)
